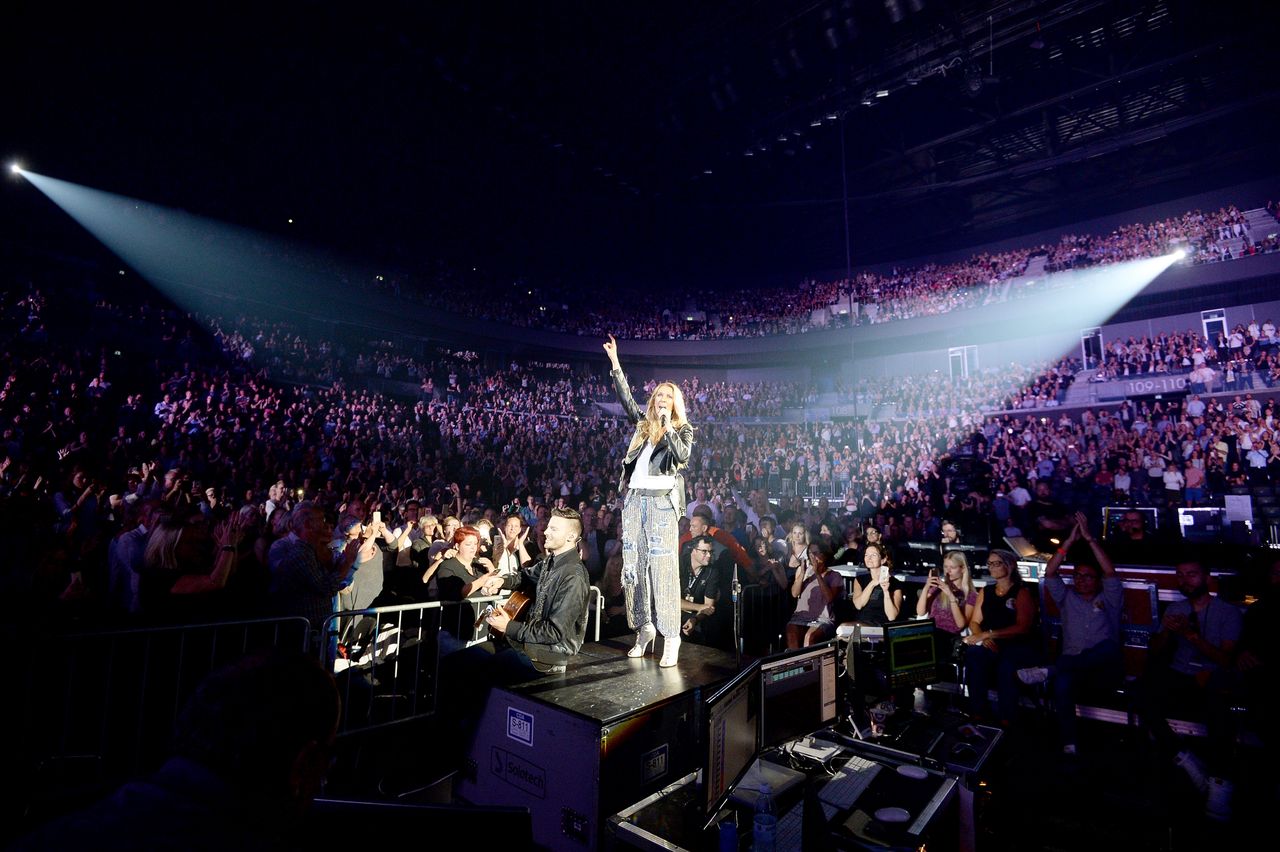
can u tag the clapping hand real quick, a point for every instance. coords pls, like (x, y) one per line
(230, 532)
(1072, 536)
(1082, 527)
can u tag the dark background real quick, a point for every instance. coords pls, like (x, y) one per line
(571, 141)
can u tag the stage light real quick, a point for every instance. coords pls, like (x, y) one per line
(817, 122)
(1179, 254)
(15, 168)
(882, 93)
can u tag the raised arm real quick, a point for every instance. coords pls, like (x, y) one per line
(620, 386)
(1104, 561)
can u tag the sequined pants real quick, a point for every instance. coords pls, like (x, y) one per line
(651, 562)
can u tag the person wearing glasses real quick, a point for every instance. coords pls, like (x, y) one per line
(950, 534)
(1091, 608)
(1001, 638)
(702, 587)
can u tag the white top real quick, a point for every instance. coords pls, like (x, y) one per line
(640, 477)
(404, 545)
(508, 563)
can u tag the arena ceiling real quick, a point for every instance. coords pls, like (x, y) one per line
(607, 141)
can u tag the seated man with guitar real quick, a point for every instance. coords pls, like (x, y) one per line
(556, 621)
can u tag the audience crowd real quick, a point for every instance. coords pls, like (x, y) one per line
(867, 298)
(160, 467)
(100, 450)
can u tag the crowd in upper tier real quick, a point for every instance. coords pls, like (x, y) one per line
(874, 297)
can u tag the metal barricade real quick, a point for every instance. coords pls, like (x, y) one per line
(386, 659)
(96, 709)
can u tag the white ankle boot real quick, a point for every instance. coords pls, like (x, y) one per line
(670, 651)
(644, 640)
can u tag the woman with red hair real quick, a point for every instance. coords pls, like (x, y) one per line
(463, 571)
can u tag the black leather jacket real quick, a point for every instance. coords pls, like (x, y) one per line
(557, 621)
(669, 456)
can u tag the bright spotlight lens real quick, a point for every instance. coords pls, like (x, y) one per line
(1180, 254)
(15, 168)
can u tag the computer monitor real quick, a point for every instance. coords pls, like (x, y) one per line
(919, 554)
(797, 694)
(731, 737)
(911, 653)
(1206, 524)
(975, 554)
(1111, 516)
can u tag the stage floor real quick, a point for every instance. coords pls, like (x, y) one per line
(604, 684)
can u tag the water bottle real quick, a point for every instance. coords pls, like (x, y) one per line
(764, 835)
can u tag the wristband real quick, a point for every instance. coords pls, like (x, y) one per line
(1062, 551)
(228, 548)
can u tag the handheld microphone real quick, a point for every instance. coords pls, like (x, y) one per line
(662, 417)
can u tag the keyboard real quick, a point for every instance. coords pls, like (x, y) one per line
(790, 837)
(839, 794)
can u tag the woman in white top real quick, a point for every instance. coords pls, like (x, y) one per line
(659, 449)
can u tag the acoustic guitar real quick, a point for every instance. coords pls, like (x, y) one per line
(515, 607)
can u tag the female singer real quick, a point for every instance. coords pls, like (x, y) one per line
(651, 512)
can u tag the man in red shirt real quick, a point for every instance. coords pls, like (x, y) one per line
(700, 524)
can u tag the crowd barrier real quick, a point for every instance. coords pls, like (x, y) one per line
(386, 659)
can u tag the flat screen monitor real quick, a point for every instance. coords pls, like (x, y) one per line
(919, 554)
(975, 554)
(798, 694)
(1111, 516)
(731, 737)
(1205, 524)
(911, 653)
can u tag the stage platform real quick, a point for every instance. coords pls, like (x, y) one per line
(577, 747)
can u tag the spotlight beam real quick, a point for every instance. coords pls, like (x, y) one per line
(195, 260)
(1045, 324)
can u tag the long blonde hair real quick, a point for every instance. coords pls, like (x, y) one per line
(650, 428)
(966, 578)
